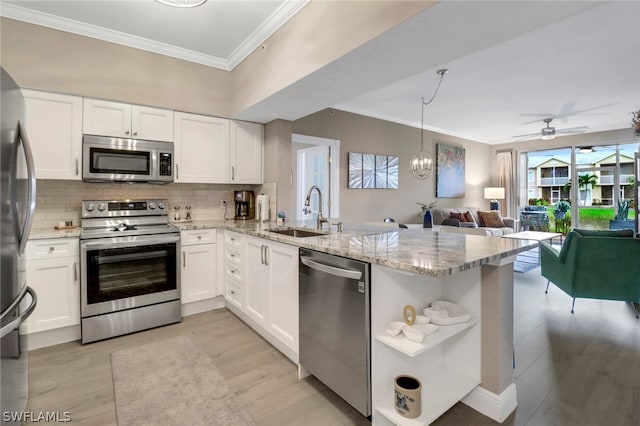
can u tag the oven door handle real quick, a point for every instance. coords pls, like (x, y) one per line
(145, 240)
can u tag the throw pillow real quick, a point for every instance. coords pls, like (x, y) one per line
(491, 219)
(459, 216)
(468, 217)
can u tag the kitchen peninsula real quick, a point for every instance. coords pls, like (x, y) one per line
(472, 363)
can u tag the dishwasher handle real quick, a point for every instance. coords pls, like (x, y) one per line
(332, 270)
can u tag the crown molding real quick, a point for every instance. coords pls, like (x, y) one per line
(268, 27)
(277, 19)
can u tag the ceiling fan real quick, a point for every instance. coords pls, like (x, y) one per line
(550, 132)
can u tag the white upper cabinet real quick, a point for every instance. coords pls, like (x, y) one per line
(246, 152)
(154, 124)
(201, 149)
(121, 120)
(54, 128)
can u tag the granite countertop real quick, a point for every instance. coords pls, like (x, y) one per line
(420, 251)
(43, 233)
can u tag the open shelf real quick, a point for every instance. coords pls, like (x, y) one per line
(442, 387)
(412, 349)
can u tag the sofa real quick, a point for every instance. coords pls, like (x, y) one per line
(595, 265)
(510, 225)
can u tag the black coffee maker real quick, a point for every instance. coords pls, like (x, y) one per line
(245, 205)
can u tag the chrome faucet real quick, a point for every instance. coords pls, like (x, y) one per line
(307, 203)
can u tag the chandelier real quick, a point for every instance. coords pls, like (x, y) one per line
(182, 3)
(421, 164)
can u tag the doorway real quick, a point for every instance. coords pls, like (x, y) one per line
(316, 162)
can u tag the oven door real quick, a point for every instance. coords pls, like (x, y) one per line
(128, 272)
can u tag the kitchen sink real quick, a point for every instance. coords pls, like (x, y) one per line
(299, 233)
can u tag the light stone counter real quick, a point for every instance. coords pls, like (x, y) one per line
(45, 233)
(420, 251)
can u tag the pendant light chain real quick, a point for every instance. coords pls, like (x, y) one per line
(421, 163)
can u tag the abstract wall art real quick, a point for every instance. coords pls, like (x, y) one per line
(450, 181)
(372, 171)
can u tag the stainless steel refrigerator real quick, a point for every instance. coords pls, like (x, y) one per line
(17, 205)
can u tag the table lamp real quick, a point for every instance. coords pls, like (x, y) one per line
(494, 194)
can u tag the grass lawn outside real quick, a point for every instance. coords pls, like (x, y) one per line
(592, 217)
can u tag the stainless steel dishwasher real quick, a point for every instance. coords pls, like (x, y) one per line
(335, 332)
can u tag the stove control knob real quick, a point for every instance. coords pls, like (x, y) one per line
(161, 206)
(90, 207)
(152, 206)
(102, 207)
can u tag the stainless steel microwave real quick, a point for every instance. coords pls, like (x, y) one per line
(108, 159)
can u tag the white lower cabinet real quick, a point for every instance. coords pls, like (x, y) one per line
(198, 272)
(234, 258)
(447, 362)
(262, 287)
(52, 270)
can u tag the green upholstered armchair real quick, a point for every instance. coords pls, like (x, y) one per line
(595, 265)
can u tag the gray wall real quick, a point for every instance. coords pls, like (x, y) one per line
(358, 133)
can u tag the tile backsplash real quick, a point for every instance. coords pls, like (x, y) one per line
(60, 200)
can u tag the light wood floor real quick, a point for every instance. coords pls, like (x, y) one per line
(581, 369)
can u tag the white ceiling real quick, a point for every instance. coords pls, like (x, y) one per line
(219, 33)
(511, 64)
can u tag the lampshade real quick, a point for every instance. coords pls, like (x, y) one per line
(182, 3)
(494, 193)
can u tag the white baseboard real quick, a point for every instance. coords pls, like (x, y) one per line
(202, 306)
(496, 407)
(286, 351)
(56, 336)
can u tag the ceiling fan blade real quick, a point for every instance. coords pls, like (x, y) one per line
(528, 135)
(566, 111)
(579, 129)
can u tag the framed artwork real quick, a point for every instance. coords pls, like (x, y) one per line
(372, 171)
(450, 181)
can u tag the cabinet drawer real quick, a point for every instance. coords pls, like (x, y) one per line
(233, 272)
(47, 249)
(203, 236)
(234, 294)
(232, 256)
(233, 239)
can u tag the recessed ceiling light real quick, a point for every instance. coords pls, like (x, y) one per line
(182, 3)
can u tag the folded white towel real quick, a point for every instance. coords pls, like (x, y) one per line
(414, 332)
(443, 312)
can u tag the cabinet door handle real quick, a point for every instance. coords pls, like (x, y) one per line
(51, 249)
(233, 173)
(127, 132)
(266, 255)
(262, 254)
(77, 167)
(75, 272)
(291, 178)
(177, 172)
(232, 292)
(135, 133)
(184, 260)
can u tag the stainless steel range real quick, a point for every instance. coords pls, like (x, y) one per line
(129, 258)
